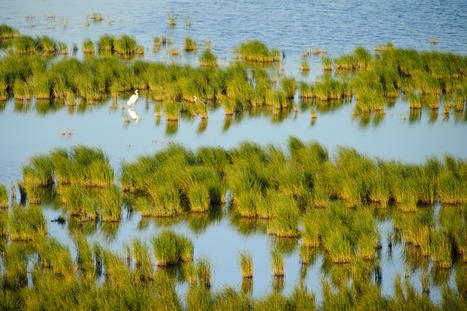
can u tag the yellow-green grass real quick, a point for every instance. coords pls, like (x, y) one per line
(246, 264)
(3, 196)
(171, 248)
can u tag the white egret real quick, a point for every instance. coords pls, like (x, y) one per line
(133, 114)
(133, 99)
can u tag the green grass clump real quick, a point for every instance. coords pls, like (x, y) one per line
(199, 198)
(363, 57)
(21, 89)
(328, 88)
(7, 32)
(369, 100)
(345, 62)
(82, 165)
(289, 87)
(39, 171)
(172, 110)
(24, 45)
(311, 228)
(41, 86)
(327, 63)
(203, 273)
(26, 224)
(285, 219)
(85, 258)
(257, 51)
(125, 45)
(304, 65)
(306, 90)
(3, 197)
(106, 44)
(440, 249)
(89, 203)
(56, 258)
(46, 45)
(171, 248)
(142, 260)
(91, 166)
(451, 183)
(3, 225)
(165, 202)
(15, 260)
(88, 47)
(190, 45)
(246, 264)
(277, 263)
(208, 59)
(79, 202)
(109, 203)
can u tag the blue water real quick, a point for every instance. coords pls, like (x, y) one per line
(290, 26)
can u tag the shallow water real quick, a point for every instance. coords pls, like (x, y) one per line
(396, 135)
(221, 236)
(292, 27)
